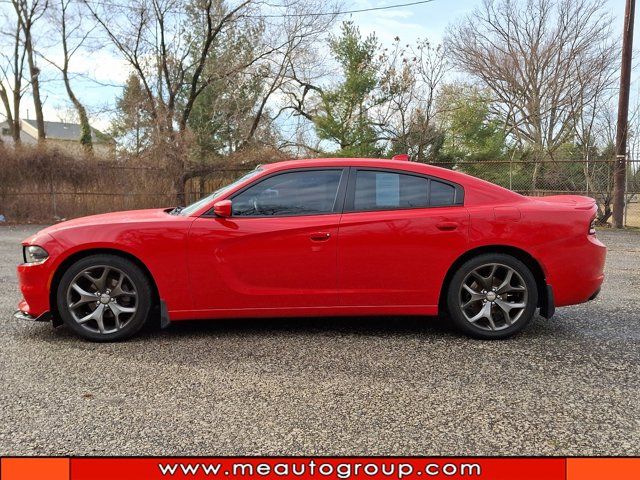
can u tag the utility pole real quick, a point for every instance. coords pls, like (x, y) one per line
(620, 166)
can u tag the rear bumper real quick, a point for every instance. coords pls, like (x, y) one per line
(577, 273)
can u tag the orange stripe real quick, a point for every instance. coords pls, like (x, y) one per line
(35, 469)
(603, 468)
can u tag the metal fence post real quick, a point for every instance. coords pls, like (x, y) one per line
(626, 191)
(54, 205)
(511, 170)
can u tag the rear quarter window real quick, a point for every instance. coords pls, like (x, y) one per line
(442, 194)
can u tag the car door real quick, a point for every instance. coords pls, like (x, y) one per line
(399, 234)
(277, 250)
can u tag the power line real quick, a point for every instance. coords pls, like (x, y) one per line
(283, 15)
(346, 12)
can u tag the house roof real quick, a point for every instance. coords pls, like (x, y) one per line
(68, 131)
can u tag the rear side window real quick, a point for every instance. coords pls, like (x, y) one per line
(388, 190)
(380, 190)
(309, 192)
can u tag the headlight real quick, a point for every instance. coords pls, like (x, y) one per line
(34, 254)
(592, 227)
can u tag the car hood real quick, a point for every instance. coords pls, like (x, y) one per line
(131, 216)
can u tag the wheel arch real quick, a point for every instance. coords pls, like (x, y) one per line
(544, 293)
(74, 257)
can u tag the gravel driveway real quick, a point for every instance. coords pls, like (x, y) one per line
(567, 386)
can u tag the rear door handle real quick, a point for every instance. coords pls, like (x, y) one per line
(320, 236)
(447, 226)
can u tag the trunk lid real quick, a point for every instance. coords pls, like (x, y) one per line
(579, 202)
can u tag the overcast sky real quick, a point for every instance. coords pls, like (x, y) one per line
(409, 23)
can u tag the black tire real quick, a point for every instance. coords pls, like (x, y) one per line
(458, 295)
(138, 297)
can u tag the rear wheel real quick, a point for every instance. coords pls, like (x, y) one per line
(492, 296)
(104, 298)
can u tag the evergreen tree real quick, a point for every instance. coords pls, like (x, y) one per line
(343, 116)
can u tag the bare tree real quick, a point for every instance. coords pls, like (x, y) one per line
(149, 34)
(296, 34)
(594, 133)
(28, 13)
(248, 104)
(543, 60)
(12, 86)
(411, 78)
(171, 45)
(71, 26)
(153, 36)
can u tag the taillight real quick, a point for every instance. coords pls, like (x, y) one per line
(592, 227)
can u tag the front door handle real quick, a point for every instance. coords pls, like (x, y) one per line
(447, 226)
(320, 236)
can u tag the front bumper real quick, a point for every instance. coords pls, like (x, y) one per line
(35, 279)
(20, 315)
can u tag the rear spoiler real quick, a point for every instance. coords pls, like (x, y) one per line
(579, 202)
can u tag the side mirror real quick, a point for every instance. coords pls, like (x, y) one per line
(222, 208)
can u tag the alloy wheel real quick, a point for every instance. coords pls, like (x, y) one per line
(493, 297)
(102, 299)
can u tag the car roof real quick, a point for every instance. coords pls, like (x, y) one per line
(482, 191)
(408, 166)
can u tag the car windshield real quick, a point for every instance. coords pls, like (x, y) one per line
(204, 200)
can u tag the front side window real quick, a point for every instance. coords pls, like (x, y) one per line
(311, 192)
(380, 190)
(194, 207)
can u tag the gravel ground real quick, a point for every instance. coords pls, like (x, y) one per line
(569, 386)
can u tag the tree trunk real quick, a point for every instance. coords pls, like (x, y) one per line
(85, 127)
(538, 167)
(534, 177)
(179, 186)
(16, 117)
(7, 108)
(604, 212)
(34, 72)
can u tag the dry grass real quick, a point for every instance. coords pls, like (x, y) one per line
(38, 184)
(633, 215)
(44, 185)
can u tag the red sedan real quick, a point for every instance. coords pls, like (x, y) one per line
(317, 238)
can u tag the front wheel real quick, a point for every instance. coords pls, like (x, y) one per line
(104, 298)
(492, 296)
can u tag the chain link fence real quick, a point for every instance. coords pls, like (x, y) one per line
(104, 187)
(593, 178)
